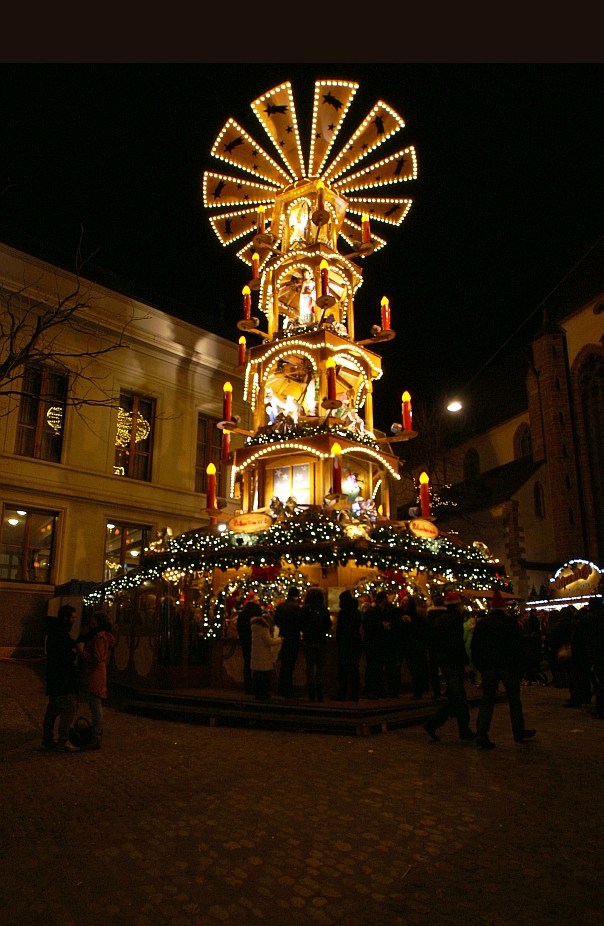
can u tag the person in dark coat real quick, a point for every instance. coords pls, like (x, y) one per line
(416, 645)
(287, 619)
(584, 651)
(452, 656)
(250, 609)
(437, 610)
(349, 643)
(315, 624)
(558, 634)
(497, 654)
(373, 638)
(61, 679)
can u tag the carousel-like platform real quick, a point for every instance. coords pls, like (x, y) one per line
(236, 709)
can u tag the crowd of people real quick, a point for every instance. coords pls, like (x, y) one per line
(444, 646)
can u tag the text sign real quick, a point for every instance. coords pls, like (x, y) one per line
(577, 576)
(250, 523)
(419, 527)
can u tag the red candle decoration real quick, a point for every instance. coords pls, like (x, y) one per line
(385, 314)
(336, 469)
(424, 494)
(227, 402)
(241, 354)
(407, 416)
(324, 268)
(226, 444)
(321, 189)
(366, 231)
(330, 366)
(255, 265)
(260, 221)
(247, 302)
(211, 490)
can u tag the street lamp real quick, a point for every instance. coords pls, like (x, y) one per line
(454, 406)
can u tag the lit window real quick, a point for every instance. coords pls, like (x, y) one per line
(292, 481)
(26, 546)
(41, 414)
(209, 450)
(125, 545)
(134, 437)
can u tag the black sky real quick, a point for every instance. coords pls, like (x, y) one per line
(509, 195)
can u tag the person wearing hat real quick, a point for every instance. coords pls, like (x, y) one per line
(287, 619)
(453, 659)
(497, 654)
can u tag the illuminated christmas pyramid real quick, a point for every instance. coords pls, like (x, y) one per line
(313, 477)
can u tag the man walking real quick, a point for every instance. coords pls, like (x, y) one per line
(448, 638)
(61, 680)
(497, 654)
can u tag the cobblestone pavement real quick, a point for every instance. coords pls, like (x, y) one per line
(178, 825)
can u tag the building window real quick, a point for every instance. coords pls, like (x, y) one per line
(292, 481)
(209, 450)
(125, 545)
(471, 464)
(41, 414)
(571, 516)
(526, 443)
(539, 500)
(561, 418)
(27, 544)
(134, 437)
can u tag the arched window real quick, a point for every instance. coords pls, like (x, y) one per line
(591, 393)
(539, 500)
(471, 464)
(523, 445)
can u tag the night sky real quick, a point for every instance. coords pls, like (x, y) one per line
(508, 199)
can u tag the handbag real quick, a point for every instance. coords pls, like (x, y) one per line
(81, 734)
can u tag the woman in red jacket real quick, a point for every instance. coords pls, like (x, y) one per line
(95, 649)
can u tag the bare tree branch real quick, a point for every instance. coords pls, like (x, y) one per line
(34, 329)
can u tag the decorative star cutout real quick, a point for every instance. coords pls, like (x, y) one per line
(282, 143)
(332, 100)
(379, 177)
(217, 194)
(289, 129)
(254, 153)
(379, 124)
(331, 127)
(399, 166)
(363, 147)
(239, 185)
(317, 135)
(273, 110)
(246, 196)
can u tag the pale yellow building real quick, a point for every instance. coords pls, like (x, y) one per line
(100, 452)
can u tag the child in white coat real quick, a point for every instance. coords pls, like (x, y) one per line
(264, 654)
